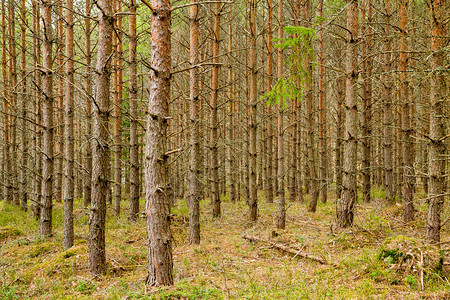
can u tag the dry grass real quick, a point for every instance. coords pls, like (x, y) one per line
(224, 265)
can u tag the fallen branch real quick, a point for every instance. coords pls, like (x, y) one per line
(288, 249)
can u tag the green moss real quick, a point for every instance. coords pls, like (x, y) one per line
(9, 231)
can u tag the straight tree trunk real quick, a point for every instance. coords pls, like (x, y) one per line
(438, 130)
(253, 196)
(269, 141)
(88, 84)
(231, 161)
(387, 94)
(134, 141)
(346, 208)
(281, 217)
(160, 268)
(340, 83)
(215, 197)
(194, 161)
(101, 163)
(366, 101)
(47, 94)
(69, 129)
(408, 157)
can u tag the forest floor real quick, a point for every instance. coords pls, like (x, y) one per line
(224, 265)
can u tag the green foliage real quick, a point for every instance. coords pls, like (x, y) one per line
(292, 87)
(86, 287)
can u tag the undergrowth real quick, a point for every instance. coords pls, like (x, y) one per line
(224, 265)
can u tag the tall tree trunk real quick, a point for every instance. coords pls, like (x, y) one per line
(309, 98)
(438, 130)
(118, 112)
(89, 103)
(47, 91)
(346, 208)
(366, 100)
(340, 85)
(408, 157)
(230, 154)
(215, 197)
(194, 161)
(25, 99)
(269, 141)
(59, 110)
(160, 266)
(100, 172)
(68, 129)
(322, 112)
(387, 94)
(253, 97)
(134, 141)
(281, 217)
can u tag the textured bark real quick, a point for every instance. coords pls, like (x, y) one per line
(23, 189)
(269, 141)
(100, 171)
(12, 99)
(118, 111)
(309, 98)
(215, 197)
(281, 217)
(438, 130)
(160, 268)
(346, 207)
(59, 110)
(134, 141)
(36, 207)
(408, 157)
(87, 189)
(194, 161)
(231, 103)
(69, 129)
(388, 115)
(339, 135)
(253, 97)
(322, 113)
(47, 94)
(6, 119)
(366, 101)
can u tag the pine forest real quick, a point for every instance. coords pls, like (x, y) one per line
(224, 149)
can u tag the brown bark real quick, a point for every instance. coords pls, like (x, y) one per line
(366, 101)
(6, 119)
(100, 172)
(87, 190)
(340, 84)
(215, 197)
(253, 97)
(69, 129)
(231, 103)
(117, 116)
(408, 157)
(134, 141)
(346, 207)
(59, 110)
(322, 112)
(160, 266)
(281, 217)
(388, 114)
(194, 161)
(269, 141)
(47, 94)
(438, 130)
(23, 191)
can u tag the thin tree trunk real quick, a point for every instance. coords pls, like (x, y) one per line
(194, 161)
(134, 141)
(47, 91)
(346, 208)
(340, 84)
(230, 154)
(438, 130)
(387, 94)
(68, 129)
(253, 97)
(89, 102)
(408, 157)
(281, 217)
(269, 141)
(215, 197)
(100, 172)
